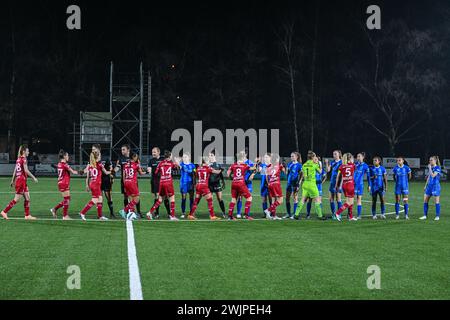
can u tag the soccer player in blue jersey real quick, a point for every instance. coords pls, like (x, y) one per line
(293, 183)
(249, 175)
(402, 175)
(320, 179)
(361, 169)
(264, 187)
(186, 183)
(378, 186)
(335, 194)
(433, 187)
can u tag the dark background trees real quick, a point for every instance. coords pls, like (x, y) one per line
(380, 91)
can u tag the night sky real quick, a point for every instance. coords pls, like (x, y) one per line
(226, 56)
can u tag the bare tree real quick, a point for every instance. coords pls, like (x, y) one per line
(313, 72)
(11, 106)
(288, 49)
(399, 81)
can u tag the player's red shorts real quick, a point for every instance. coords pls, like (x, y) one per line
(349, 190)
(202, 190)
(275, 191)
(63, 187)
(96, 190)
(21, 186)
(131, 189)
(166, 189)
(240, 190)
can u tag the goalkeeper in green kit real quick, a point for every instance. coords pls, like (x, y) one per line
(309, 186)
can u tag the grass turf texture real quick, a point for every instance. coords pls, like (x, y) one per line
(222, 260)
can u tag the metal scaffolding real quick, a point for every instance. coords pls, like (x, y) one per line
(128, 120)
(130, 107)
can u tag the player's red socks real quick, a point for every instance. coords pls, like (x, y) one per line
(248, 204)
(342, 209)
(10, 206)
(99, 209)
(273, 207)
(172, 208)
(155, 206)
(350, 211)
(66, 203)
(26, 207)
(210, 207)
(59, 206)
(194, 206)
(130, 206)
(231, 209)
(87, 207)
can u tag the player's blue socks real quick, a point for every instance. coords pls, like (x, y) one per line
(333, 207)
(264, 206)
(183, 206)
(239, 207)
(438, 209)
(288, 208)
(397, 208)
(191, 203)
(374, 209)
(359, 210)
(406, 205)
(339, 204)
(295, 207)
(383, 209)
(308, 208)
(425, 209)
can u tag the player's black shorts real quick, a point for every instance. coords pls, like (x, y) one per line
(154, 186)
(293, 186)
(122, 187)
(106, 185)
(215, 187)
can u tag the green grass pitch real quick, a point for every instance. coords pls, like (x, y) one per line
(307, 259)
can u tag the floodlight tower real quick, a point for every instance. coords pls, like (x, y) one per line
(130, 108)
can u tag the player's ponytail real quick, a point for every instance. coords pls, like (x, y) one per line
(93, 159)
(404, 160)
(436, 158)
(363, 155)
(61, 154)
(135, 157)
(298, 156)
(311, 155)
(22, 149)
(240, 157)
(188, 155)
(275, 159)
(346, 158)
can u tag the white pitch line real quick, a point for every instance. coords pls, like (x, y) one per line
(135, 278)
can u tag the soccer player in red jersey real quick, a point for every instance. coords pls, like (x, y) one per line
(93, 184)
(273, 173)
(64, 171)
(19, 178)
(203, 173)
(164, 170)
(131, 188)
(238, 186)
(347, 182)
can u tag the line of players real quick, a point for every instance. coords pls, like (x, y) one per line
(347, 177)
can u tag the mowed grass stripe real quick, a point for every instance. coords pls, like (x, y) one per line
(243, 260)
(35, 257)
